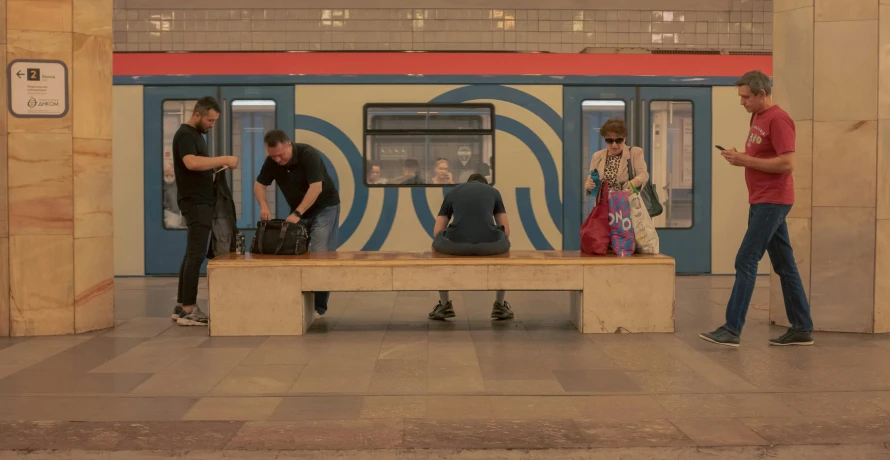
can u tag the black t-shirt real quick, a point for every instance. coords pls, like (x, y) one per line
(192, 187)
(472, 206)
(294, 178)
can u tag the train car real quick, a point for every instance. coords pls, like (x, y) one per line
(396, 129)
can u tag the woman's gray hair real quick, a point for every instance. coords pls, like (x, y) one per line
(757, 81)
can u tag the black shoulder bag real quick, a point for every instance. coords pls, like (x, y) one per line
(279, 237)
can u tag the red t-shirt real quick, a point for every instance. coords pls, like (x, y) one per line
(772, 134)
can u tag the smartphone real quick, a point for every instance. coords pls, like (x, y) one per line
(720, 148)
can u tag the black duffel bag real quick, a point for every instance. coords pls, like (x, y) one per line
(280, 237)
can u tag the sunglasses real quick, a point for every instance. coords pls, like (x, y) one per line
(609, 140)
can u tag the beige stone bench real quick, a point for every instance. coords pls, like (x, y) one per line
(609, 294)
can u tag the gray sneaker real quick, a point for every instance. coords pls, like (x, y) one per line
(501, 311)
(195, 318)
(442, 311)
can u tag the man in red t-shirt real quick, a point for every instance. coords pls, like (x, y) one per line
(768, 160)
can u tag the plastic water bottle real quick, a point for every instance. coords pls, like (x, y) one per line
(239, 243)
(595, 177)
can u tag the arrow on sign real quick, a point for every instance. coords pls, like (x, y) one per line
(18, 74)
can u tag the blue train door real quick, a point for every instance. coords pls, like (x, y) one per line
(673, 126)
(247, 113)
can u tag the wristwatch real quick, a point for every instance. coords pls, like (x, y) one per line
(297, 213)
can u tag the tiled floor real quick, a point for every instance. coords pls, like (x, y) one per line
(375, 374)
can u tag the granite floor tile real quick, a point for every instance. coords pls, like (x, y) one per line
(325, 435)
(42, 380)
(319, 408)
(93, 408)
(245, 380)
(400, 368)
(151, 356)
(197, 372)
(454, 379)
(394, 407)
(595, 381)
(233, 342)
(679, 380)
(186, 435)
(493, 434)
(283, 350)
(332, 382)
(722, 405)
(142, 327)
(232, 408)
(619, 407)
(523, 387)
(638, 433)
(533, 407)
(397, 386)
(79, 359)
(6, 342)
(810, 430)
(718, 432)
(504, 368)
(458, 407)
(407, 347)
(842, 404)
(717, 375)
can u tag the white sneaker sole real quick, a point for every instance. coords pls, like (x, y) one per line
(188, 322)
(802, 344)
(708, 339)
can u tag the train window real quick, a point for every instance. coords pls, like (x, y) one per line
(175, 113)
(595, 114)
(428, 144)
(251, 119)
(671, 168)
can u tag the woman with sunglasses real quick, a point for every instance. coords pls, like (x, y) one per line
(611, 162)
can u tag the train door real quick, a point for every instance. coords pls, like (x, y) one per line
(673, 127)
(247, 113)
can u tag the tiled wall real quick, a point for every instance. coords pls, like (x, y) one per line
(741, 25)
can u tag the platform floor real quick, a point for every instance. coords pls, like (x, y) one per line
(374, 373)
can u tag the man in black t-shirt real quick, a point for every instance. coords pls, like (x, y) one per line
(479, 227)
(193, 167)
(304, 181)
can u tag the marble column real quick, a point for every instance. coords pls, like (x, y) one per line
(56, 264)
(832, 74)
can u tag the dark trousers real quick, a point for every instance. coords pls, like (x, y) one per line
(445, 246)
(767, 232)
(198, 219)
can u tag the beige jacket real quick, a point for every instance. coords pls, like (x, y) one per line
(635, 154)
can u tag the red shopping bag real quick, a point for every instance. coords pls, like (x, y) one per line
(595, 232)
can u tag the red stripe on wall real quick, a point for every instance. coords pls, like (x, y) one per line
(675, 65)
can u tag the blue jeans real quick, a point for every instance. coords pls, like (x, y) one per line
(324, 228)
(767, 232)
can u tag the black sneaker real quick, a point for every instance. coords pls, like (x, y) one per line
(442, 311)
(178, 312)
(793, 337)
(501, 311)
(721, 337)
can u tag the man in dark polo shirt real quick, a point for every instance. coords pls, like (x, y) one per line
(479, 227)
(193, 167)
(309, 190)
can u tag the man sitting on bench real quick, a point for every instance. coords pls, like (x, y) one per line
(472, 232)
